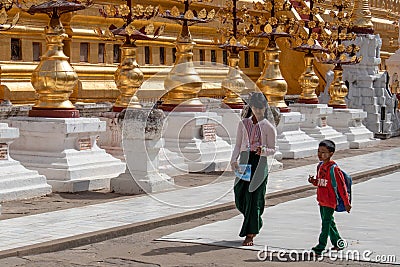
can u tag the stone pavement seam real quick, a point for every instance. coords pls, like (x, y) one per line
(102, 235)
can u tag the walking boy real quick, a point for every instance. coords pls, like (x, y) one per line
(326, 196)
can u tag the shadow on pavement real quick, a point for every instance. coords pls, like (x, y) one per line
(188, 250)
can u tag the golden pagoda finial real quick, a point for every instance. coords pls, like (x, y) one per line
(361, 18)
(183, 83)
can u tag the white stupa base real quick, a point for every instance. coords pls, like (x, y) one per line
(349, 122)
(171, 163)
(151, 183)
(17, 182)
(183, 136)
(65, 151)
(293, 143)
(315, 124)
(203, 156)
(142, 174)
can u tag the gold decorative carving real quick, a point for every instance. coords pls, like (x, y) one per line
(183, 83)
(361, 17)
(233, 84)
(232, 21)
(271, 82)
(308, 81)
(54, 79)
(338, 89)
(128, 78)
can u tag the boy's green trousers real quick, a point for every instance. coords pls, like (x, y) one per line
(328, 229)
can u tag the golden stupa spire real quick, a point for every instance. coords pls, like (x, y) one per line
(361, 18)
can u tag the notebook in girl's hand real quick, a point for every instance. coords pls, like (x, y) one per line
(244, 172)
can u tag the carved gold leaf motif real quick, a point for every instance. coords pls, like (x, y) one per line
(130, 29)
(15, 19)
(211, 14)
(280, 29)
(149, 28)
(175, 11)
(268, 28)
(3, 17)
(189, 14)
(202, 14)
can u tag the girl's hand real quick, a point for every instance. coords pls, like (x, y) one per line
(235, 166)
(260, 149)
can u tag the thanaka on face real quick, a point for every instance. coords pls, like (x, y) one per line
(324, 154)
(258, 112)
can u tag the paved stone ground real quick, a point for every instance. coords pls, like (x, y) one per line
(295, 225)
(57, 201)
(140, 249)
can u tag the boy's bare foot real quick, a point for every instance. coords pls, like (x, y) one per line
(248, 241)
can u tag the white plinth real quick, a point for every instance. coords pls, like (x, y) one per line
(65, 151)
(125, 184)
(142, 142)
(171, 163)
(142, 175)
(17, 182)
(349, 122)
(292, 142)
(182, 135)
(315, 124)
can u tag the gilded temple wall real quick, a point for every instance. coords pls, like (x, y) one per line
(96, 79)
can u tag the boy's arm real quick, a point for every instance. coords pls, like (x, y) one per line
(312, 180)
(341, 186)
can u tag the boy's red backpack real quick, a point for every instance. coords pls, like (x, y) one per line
(348, 181)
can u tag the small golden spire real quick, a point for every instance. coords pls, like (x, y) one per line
(361, 18)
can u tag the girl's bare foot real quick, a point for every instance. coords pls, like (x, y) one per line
(248, 241)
